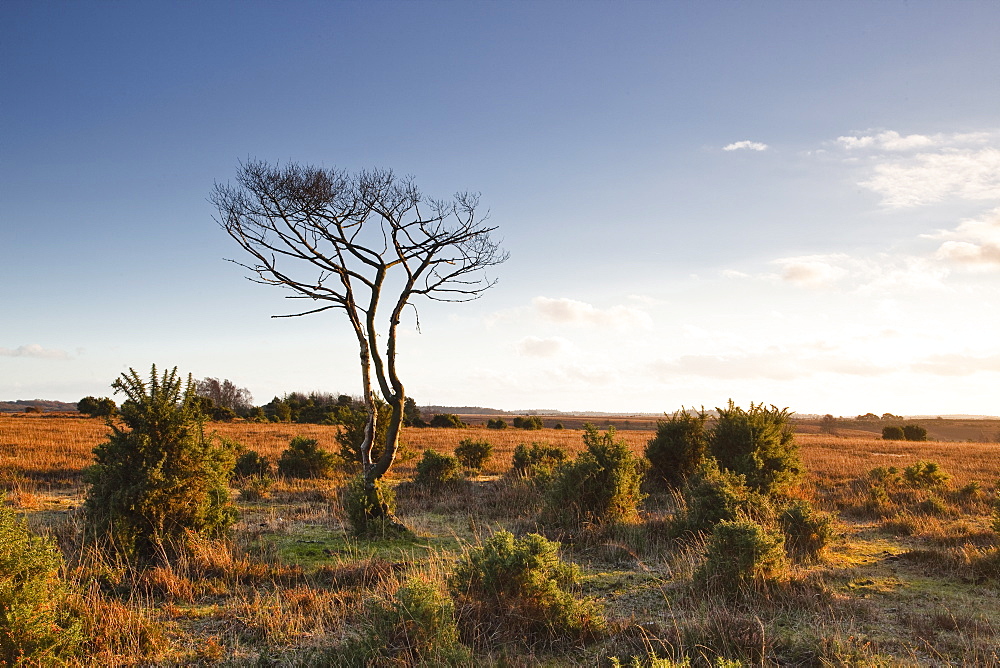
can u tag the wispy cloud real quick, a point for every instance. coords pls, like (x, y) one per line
(916, 169)
(773, 364)
(565, 310)
(974, 244)
(533, 346)
(34, 350)
(745, 145)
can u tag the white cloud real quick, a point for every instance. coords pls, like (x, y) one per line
(773, 364)
(957, 364)
(532, 346)
(565, 310)
(34, 350)
(916, 170)
(813, 270)
(926, 178)
(973, 244)
(745, 145)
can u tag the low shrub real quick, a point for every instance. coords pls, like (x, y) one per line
(498, 423)
(357, 505)
(914, 432)
(540, 457)
(435, 470)
(252, 464)
(893, 433)
(416, 626)
(530, 423)
(37, 625)
(742, 554)
(713, 495)
(927, 475)
(807, 532)
(601, 485)
(757, 443)
(447, 421)
(472, 453)
(679, 447)
(304, 458)
(511, 588)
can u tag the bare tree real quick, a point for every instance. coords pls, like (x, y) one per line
(348, 242)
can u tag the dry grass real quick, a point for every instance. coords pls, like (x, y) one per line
(911, 581)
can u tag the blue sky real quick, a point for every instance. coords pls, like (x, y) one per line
(795, 203)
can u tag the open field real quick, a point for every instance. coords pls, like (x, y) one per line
(911, 579)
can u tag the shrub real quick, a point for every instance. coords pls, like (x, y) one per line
(498, 423)
(158, 475)
(757, 443)
(252, 464)
(807, 532)
(559, 425)
(893, 433)
(512, 587)
(353, 419)
(679, 447)
(742, 553)
(447, 421)
(37, 627)
(531, 423)
(540, 456)
(414, 627)
(601, 485)
(925, 475)
(711, 496)
(303, 458)
(361, 516)
(94, 407)
(473, 454)
(435, 470)
(914, 432)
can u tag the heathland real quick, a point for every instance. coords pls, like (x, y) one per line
(909, 573)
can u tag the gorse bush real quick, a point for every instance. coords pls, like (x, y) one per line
(742, 554)
(807, 532)
(357, 506)
(914, 432)
(511, 588)
(679, 447)
(252, 464)
(893, 433)
(158, 475)
(601, 485)
(304, 458)
(447, 421)
(94, 407)
(435, 470)
(37, 625)
(527, 460)
(926, 475)
(416, 626)
(713, 495)
(757, 443)
(353, 419)
(531, 423)
(498, 423)
(473, 454)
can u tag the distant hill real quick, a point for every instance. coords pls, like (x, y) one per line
(45, 405)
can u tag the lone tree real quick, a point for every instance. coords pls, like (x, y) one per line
(349, 242)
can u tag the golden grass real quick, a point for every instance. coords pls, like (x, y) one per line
(238, 597)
